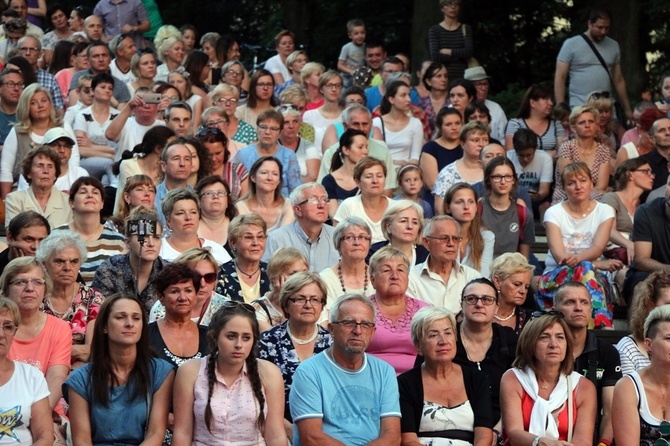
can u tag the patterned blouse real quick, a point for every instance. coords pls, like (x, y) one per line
(84, 309)
(570, 151)
(228, 284)
(275, 346)
(245, 133)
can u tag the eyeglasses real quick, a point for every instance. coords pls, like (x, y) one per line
(215, 124)
(445, 239)
(250, 238)
(86, 90)
(540, 313)
(22, 283)
(600, 94)
(28, 49)
(264, 85)
(314, 200)
(266, 128)
(60, 145)
(9, 329)
(471, 299)
(209, 277)
(224, 101)
(234, 74)
(359, 238)
(500, 178)
(209, 131)
(647, 172)
(10, 84)
(333, 86)
(212, 194)
(230, 304)
(351, 102)
(170, 98)
(350, 325)
(304, 300)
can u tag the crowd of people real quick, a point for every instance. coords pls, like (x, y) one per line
(202, 254)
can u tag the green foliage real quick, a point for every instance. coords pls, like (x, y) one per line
(510, 98)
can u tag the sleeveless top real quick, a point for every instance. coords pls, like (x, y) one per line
(649, 424)
(457, 424)
(234, 411)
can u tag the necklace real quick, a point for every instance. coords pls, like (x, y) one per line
(467, 354)
(339, 275)
(584, 214)
(299, 341)
(245, 273)
(506, 318)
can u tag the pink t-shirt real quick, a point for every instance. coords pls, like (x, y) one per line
(392, 342)
(52, 346)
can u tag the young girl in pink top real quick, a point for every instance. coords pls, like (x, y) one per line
(230, 397)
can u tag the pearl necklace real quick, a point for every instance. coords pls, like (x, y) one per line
(339, 275)
(506, 318)
(299, 341)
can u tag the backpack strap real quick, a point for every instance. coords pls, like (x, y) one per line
(522, 213)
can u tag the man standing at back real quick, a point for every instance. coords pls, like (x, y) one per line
(123, 17)
(578, 60)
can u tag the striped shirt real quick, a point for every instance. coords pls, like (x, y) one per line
(110, 243)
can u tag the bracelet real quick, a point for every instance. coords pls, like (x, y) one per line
(536, 441)
(604, 442)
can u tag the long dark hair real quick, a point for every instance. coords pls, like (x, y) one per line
(62, 56)
(223, 46)
(195, 63)
(231, 209)
(155, 137)
(216, 325)
(346, 140)
(391, 91)
(102, 375)
(491, 166)
(251, 101)
(27, 70)
(534, 92)
(255, 167)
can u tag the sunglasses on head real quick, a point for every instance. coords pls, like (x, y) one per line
(600, 94)
(540, 313)
(208, 131)
(231, 304)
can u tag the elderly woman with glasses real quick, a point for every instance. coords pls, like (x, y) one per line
(207, 301)
(309, 157)
(350, 275)
(218, 147)
(181, 208)
(23, 386)
(245, 278)
(175, 337)
(391, 341)
(302, 300)
(545, 402)
(216, 117)
(639, 409)
(481, 344)
(441, 401)
(512, 274)
(62, 254)
(42, 340)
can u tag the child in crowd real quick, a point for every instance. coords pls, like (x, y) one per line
(410, 180)
(85, 93)
(352, 55)
(561, 113)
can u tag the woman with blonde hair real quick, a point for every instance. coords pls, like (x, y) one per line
(604, 103)
(402, 226)
(227, 97)
(171, 52)
(181, 80)
(309, 78)
(511, 274)
(652, 293)
(35, 115)
(143, 65)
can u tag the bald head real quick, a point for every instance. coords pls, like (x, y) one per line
(93, 28)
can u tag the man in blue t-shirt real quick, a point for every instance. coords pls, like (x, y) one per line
(342, 394)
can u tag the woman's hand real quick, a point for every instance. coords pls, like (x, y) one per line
(608, 265)
(569, 261)
(630, 252)
(83, 140)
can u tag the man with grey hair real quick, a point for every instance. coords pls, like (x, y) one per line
(441, 278)
(358, 117)
(176, 166)
(30, 48)
(309, 234)
(343, 395)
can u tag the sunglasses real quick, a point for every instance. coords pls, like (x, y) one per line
(663, 430)
(540, 313)
(209, 277)
(600, 94)
(209, 131)
(232, 304)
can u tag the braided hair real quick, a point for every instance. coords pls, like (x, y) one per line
(216, 326)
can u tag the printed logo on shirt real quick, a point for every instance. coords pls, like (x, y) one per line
(514, 227)
(10, 419)
(354, 407)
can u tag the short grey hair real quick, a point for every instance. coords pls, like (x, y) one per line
(345, 224)
(357, 108)
(297, 195)
(426, 316)
(335, 309)
(58, 241)
(398, 76)
(178, 194)
(428, 229)
(388, 252)
(656, 316)
(295, 283)
(30, 36)
(214, 110)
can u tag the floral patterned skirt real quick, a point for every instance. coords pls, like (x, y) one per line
(585, 273)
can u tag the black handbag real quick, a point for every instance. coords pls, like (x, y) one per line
(618, 108)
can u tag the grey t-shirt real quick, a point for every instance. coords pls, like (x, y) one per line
(586, 72)
(505, 225)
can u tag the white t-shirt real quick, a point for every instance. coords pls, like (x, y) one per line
(94, 130)
(406, 144)
(221, 255)
(274, 65)
(9, 149)
(127, 78)
(72, 111)
(498, 120)
(353, 207)
(132, 135)
(577, 233)
(540, 170)
(306, 151)
(26, 386)
(320, 124)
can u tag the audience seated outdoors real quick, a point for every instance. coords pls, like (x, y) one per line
(293, 253)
